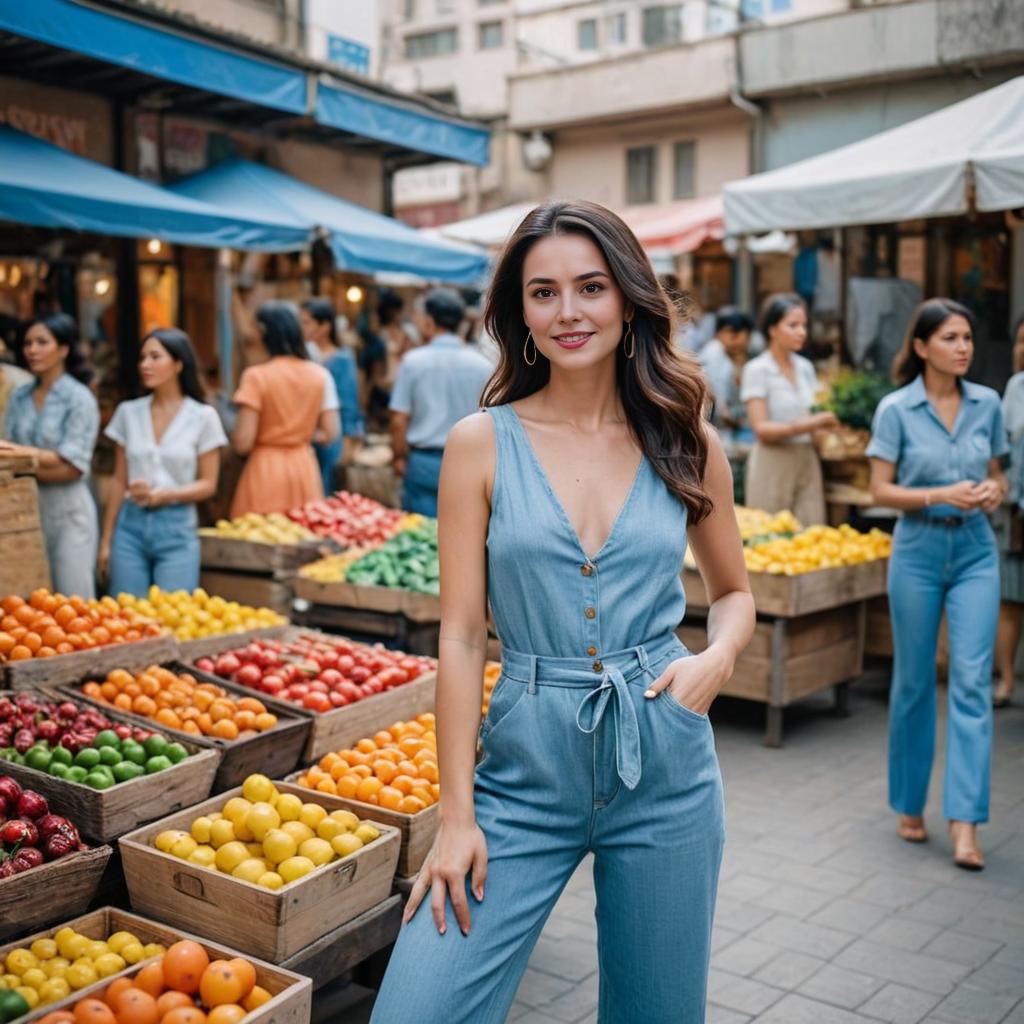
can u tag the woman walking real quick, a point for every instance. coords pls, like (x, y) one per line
(935, 449)
(55, 418)
(167, 458)
(779, 388)
(568, 503)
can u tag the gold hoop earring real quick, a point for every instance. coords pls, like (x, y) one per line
(529, 341)
(629, 339)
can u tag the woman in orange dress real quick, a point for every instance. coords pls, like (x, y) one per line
(284, 405)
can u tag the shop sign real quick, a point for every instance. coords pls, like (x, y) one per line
(348, 54)
(185, 148)
(67, 132)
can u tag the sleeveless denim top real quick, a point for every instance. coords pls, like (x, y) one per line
(547, 597)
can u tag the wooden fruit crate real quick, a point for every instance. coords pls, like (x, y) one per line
(267, 752)
(105, 814)
(413, 605)
(254, 557)
(47, 674)
(257, 921)
(211, 646)
(245, 588)
(417, 830)
(292, 993)
(790, 596)
(63, 888)
(24, 566)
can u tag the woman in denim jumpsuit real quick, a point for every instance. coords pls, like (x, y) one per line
(567, 505)
(935, 450)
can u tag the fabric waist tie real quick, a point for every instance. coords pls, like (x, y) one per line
(607, 678)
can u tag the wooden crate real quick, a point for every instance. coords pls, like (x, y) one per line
(63, 888)
(211, 646)
(270, 925)
(414, 606)
(253, 557)
(417, 830)
(19, 507)
(292, 993)
(25, 565)
(47, 674)
(257, 591)
(810, 592)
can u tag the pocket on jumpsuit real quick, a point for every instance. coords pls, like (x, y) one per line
(505, 698)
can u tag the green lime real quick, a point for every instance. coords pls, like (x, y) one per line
(176, 752)
(158, 764)
(58, 769)
(127, 770)
(62, 756)
(12, 1005)
(155, 745)
(88, 757)
(106, 738)
(99, 780)
(110, 756)
(132, 751)
(76, 773)
(38, 758)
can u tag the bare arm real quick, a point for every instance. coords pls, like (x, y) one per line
(51, 468)
(771, 432)
(243, 438)
(399, 444)
(463, 515)
(966, 494)
(115, 499)
(328, 426)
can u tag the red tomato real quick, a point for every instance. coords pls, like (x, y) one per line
(316, 701)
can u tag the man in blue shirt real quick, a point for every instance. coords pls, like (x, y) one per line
(722, 359)
(437, 385)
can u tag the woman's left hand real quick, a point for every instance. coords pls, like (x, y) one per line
(990, 494)
(694, 681)
(16, 449)
(144, 495)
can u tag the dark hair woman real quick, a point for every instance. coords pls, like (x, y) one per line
(285, 405)
(167, 459)
(55, 418)
(943, 559)
(317, 320)
(779, 388)
(567, 503)
(383, 349)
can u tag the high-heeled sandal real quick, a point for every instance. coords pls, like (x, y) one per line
(911, 828)
(970, 858)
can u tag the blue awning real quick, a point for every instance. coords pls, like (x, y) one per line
(360, 239)
(157, 51)
(46, 186)
(376, 117)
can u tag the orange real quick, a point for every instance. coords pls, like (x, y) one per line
(265, 721)
(190, 726)
(26, 614)
(251, 704)
(144, 706)
(58, 1017)
(368, 789)
(327, 786)
(115, 989)
(428, 771)
(185, 1015)
(346, 786)
(119, 677)
(411, 805)
(205, 724)
(245, 970)
(77, 625)
(33, 641)
(246, 721)
(339, 771)
(66, 647)
(390, 798)
(384, 770)
(403, 783)
(133, 689)
(63, 614)
(414, 729)
(389, 754)
(355, 757)
(256, 998)
(171, 1001)
(133, 1006)
(361, 771)
(20, 653)
(7, 643)
(228, 1013)
(221, 984)
(225, 729)
(45, 652)
(165, 716)
(383, 738)
(151, 979)
(366, 746)
(123, 701)
(423, 793)
(101, 635)
(221, 709)
(109, 690)
(408, 768)
(92, 1011)
(92, 689)
(183, 966)
(11, 602)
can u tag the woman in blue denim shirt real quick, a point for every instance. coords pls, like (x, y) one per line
(568, 503)
(935, 453)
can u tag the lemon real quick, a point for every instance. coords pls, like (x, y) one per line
(205, 857)
(259, 789)
(34, 977)
(237, 809)
(295, 868)
(329, 828)
(299, 832)
(21, 960)
(95, 949)
(165, 840)
(221, 832)
(56, 967)
(345, 844)
(79, 974)
(44, 949)
(30, 995)
(288, 806)
(270, 880)
(311, 815)
(184, 847)
(255, 849)
(201, 829)
(11, 981)
(367, 833)
(119, 940)
(53, 989)
(250, 870)
(64, 933)
(278, 846)
(230, 855)
(261, 819)
(347, 818)
(134, 952)
(319, 851)
(154, 949)
(108, 964)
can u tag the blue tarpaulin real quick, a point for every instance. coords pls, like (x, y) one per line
(361, 240)
(46, 186)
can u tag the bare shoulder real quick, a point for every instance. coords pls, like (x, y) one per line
(469, 458)
(472, 436)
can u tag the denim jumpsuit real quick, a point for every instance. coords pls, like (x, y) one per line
(577, 761)
(943, 558)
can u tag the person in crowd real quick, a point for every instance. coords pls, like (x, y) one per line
(778, 389)
(935, 448)
(437, 385)
(723, 359)
(384, 345)
(55, 419)
(285, 405)
(568, 503)
(167, 459)
(12, 376)
(1010, 532)
(318, 323)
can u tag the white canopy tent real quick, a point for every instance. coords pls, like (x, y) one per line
(488, 230)
(921, 169)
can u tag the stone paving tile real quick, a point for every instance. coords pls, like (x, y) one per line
(788, 970)
(538, 988)
(925, 972)
(720, 1015)
(843, 988)
(741, 994)
(794, 900)
(795, 1009)
(966, 949)
(577, 1003)
(1017, 1016)
(746, 955)
(802, 937)
(898, 1004)
(1000, 977)
(969, 1005)
(849, 915)
(903, 933)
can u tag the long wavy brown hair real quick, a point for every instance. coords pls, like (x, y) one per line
(662, 391)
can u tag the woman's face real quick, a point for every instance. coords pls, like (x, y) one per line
(156, 365)
(790, 333)
(571, 303)
(42, 353)
(313, 329)
(950, 349)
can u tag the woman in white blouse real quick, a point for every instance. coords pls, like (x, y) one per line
(778, 389)
(167, 459)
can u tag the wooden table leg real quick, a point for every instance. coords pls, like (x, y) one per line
(842, 690)
(776, 686)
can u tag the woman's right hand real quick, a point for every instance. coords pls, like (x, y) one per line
(457, 851)
(103, 560)
(824, 421)
(963, 495)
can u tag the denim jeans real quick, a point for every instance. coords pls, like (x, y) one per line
(158, 546)
(577, 762)
(419, 488)
(933, 568)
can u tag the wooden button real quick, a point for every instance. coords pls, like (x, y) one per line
(591, 651)
(591, 613)
(587, 570)
(598, 666)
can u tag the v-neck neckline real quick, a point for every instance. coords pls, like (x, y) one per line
(157, 441)
(557, 502)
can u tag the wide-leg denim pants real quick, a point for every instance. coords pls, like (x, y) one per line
(577, 760)
(158, 545)
(934, 567)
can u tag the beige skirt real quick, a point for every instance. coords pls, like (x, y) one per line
(786, 476)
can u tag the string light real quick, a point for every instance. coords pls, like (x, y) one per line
(354, 294)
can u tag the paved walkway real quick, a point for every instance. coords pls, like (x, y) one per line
(824, 915)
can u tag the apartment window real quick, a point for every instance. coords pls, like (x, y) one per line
(662, 25)
(684, 173)
(641, 181)
(431, 44)
(491, 35)
(618, 29)
(586, 34)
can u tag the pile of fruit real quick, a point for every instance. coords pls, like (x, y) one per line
(51, 969)
(492, 673)
(49, 624)
(80, 744)
(817, 547)
(29, 834)
(182, 702)
(396, 769)
(333, 568)
(408, 561)
(274, 528)
(351, 520)
(756, 525)
(268, 838)
(190, 616)
(317, 672)
(183, 987)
